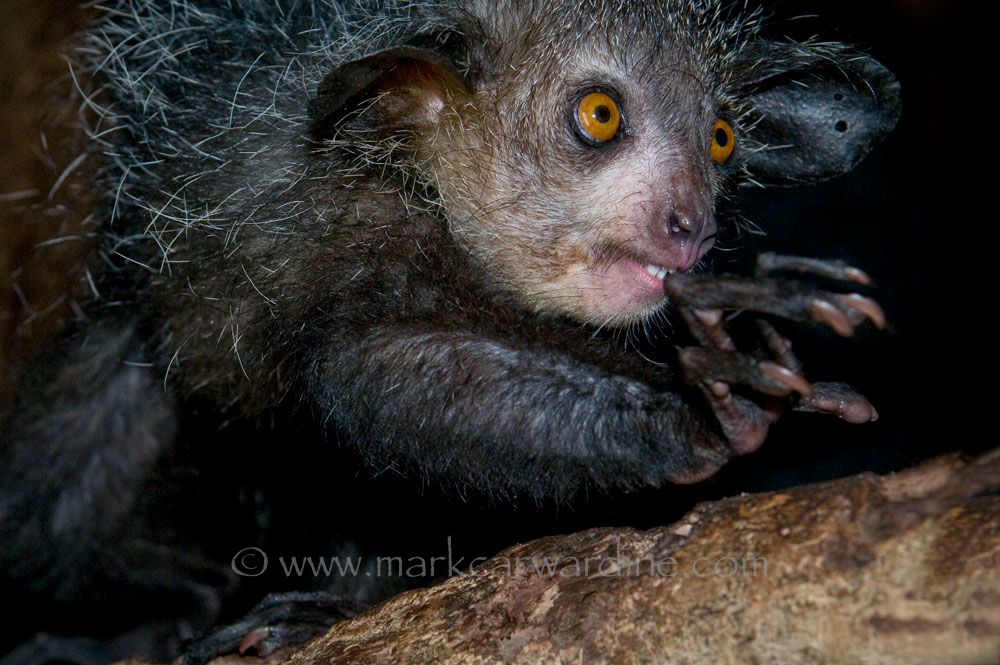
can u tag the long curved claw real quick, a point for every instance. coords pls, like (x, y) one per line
(793, 380)
(866, 306)
(829, 314)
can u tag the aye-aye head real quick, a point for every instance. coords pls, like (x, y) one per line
(577, 149)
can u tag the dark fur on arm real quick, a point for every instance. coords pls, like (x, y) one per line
(448, 404)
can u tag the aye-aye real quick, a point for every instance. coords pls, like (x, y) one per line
(435, 233)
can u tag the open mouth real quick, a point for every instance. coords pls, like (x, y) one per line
(648, 275)
(631, 285)
(654, 274)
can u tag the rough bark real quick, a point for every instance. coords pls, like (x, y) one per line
(897, 569)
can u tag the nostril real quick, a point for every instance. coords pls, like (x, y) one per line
(676, 224)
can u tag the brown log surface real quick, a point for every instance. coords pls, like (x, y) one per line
(897, 569)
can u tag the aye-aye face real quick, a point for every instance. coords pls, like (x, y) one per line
(585, 163)
(577, 149)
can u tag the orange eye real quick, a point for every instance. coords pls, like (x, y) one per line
(723, 141)
(598, 116)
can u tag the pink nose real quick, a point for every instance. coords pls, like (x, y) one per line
(692, 229)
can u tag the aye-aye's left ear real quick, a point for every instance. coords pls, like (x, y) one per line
(398, 88)
(817, 115)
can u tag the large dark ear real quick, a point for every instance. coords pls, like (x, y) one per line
(815, 112)
(403, 87)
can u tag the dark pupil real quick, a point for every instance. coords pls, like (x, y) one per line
(721, 138)
(602, 114)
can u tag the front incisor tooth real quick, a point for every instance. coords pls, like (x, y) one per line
(657, 272)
